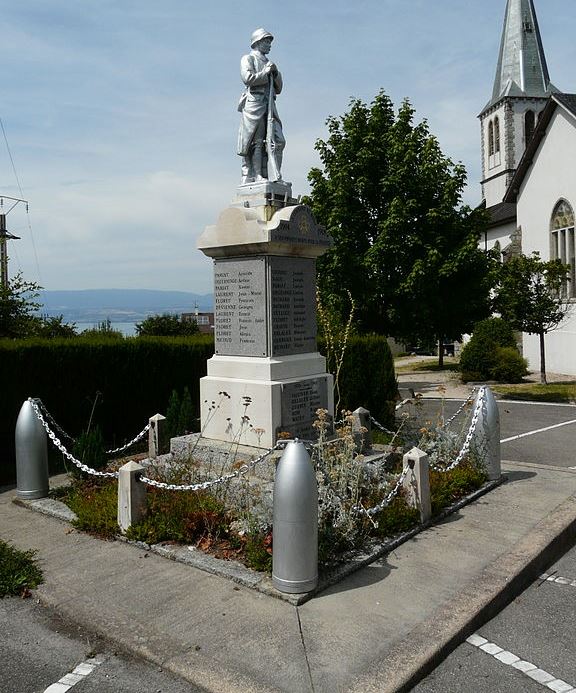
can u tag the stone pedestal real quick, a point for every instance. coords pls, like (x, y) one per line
(266, 376)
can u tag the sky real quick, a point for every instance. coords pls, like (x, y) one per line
(121, 123)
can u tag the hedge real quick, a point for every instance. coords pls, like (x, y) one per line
(136, 376)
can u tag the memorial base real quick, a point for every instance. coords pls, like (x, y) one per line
(272, 396)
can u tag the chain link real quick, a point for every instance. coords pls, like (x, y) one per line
(461, 408)
(134, 440)
(370, 512)
(50, 419)
(381, 427)
(58, 443)
(480, 403)
(212, 482)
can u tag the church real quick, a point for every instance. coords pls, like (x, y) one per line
(528, 154)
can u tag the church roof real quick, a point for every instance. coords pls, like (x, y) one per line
(558, 100)
(501, 213)
(522, 69)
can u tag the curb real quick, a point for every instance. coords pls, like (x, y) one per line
(409, 661)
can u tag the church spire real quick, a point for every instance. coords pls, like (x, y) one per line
(522, 69)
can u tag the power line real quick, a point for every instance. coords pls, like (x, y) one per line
(22, 194)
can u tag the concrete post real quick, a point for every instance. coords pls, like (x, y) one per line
(131, 495)
(295, 528)
(417, 482)
(154, 435)
(486, 437)
(31, 455)
(362, 429)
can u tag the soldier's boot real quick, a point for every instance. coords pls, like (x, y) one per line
(257, 162)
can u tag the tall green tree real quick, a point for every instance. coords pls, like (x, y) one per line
(404, 245)
(530, 295)
(17, 307)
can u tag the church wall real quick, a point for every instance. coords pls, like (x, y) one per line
(552, 176)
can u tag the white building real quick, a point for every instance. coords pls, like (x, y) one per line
(528, 165)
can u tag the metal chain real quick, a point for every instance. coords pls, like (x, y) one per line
(471, 430)
(57, 442)
(382, 428)
(134, 440)
(62, 432)
(461, 408)
(370, 512)
(212, 482)
(52, 421)
(403, 403)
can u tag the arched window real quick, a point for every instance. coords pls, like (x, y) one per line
(528, 126)
(491, 138)
(562, 242)
(496, 134)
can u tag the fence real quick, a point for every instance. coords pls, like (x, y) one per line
(294, 479)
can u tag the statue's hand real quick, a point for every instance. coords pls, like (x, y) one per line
(271, 68)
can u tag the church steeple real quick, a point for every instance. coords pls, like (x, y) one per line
(521, 89)
(522, 69)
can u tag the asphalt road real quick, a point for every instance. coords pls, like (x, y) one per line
(553, 446)
(533, 642)
(38, 649)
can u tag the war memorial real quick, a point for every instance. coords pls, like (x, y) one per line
(266, 376)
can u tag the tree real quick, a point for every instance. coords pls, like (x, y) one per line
(54, 326)
(404, 246)
(529, 295)
(166, 325)
(104, 330)
(17, 306)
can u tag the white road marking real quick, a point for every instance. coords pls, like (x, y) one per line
(510, 659)
(559, 580)
(78, 674)
(538, 430)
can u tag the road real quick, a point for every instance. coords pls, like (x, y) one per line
(38, 650)
(528, 647)
(530, 432)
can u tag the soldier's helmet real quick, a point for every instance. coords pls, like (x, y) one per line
(258, 35)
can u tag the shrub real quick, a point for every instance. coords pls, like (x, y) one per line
(367, 377)
(166, 325)
(510, 367)
(496, 329)
(90, 450)
(478, 358)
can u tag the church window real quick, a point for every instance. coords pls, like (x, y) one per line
(491, 138)
(528, 126)
(562, 244)
(496, 134)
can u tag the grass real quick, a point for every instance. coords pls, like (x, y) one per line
(537, 392)
(18, 571)
(430, 365)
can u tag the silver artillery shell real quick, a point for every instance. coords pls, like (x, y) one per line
(295, 530)
(31, 455)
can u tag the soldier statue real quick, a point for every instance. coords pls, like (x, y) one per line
(260, 138)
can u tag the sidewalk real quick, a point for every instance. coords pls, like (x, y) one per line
(377, 630)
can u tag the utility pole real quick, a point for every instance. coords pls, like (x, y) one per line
(6, 236)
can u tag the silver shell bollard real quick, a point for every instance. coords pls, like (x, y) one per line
(31, 455)
(295, 529)
(486, 437)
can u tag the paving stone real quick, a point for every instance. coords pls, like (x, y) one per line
(540, 675)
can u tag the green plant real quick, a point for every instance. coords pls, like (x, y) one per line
(448, 487)
(496, 329)
(96, 506)
(166, 325)
(510, 367)
(103, 330)
(90, 450)
(397, 517)
(478, 358)
(258, 550)
(19, 571)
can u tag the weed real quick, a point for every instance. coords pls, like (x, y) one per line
(19, 572)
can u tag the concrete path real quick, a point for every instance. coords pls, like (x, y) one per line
(378, 630)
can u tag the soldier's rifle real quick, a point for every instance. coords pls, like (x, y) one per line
(273, 171)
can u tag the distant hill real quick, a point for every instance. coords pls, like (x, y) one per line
(120, 305)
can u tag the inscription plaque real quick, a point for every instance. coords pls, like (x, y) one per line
(292, 305)
(300, 400)
(240, 307)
